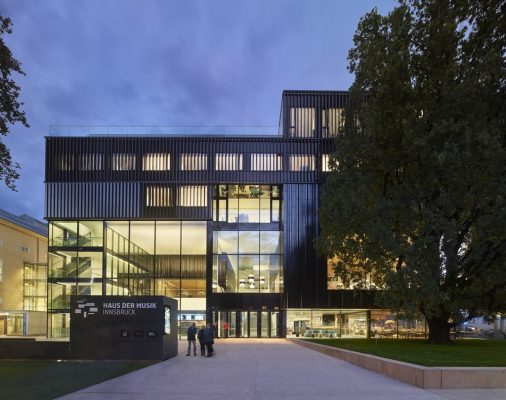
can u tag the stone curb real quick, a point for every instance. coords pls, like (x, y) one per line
(417, 375)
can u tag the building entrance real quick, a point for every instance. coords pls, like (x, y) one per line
(252, 324)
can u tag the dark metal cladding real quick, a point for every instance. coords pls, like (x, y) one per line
(119, 178)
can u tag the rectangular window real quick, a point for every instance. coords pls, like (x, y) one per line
(1, 270)
(192, 196)
(247, 262)
(156, 162)
(64, 162)
(266, 162)
(247, 203)
(301, 162)
(332, 121)
(325, 162)
(302, 122)
(158, 196)
(25, 249)
(193, 162)
(228, 162)
(123, 162)
(90, 162)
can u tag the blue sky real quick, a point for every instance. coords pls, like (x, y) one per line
(166, 63)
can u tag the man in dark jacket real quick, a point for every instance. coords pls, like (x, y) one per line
(209, 339)
(200, 336)
(190, 335)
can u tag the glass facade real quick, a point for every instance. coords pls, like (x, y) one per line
(136, 258)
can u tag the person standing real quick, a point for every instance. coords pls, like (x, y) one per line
(225, 329)
(209, 339)
(190, 335)
(200, 336)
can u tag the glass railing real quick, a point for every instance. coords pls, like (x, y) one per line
(57, 130)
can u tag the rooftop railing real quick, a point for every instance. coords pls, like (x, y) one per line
(60, 130)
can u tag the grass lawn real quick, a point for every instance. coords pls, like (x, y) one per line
(49, 379)
(464, 353)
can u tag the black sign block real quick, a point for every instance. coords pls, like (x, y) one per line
(123, 327)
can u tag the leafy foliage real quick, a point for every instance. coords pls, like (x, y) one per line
(10, 106)
(417, 195)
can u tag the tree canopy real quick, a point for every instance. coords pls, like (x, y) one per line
(10, 106)
(417, 193)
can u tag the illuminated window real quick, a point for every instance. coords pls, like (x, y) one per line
(301, 162)
(193, 162)
(332, 121)
(65, 162)
(325, 163)
(228, 162)
(192, 196)
(266, 162)
(156, 162)
(158, 196)
(123, 162)
(90, 162)
(302, 122)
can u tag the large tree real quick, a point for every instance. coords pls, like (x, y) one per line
(10, 106)
(417, 195)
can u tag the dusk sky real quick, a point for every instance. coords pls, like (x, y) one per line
(166, 63)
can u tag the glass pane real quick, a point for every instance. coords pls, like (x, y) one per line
(248, 210)
(59, 325)
(264, 324)
(194, 238)
(59, 295)
(91, 233)
(275, 210)
(253, 324)
(265, 210)
(227, 242)
(63, 265)
(249, 274)
(226, 273)
(233, 203)
(222, 210)
(168, 287)
(274, 324)
(243, 319)
(271, 243)
(271, 274)
(249, 242)
(231, 323)
(90, 265)
(63, 233)
(142, 235)
(168, 238)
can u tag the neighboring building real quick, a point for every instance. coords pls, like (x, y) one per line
(23, 275)
(225, 224)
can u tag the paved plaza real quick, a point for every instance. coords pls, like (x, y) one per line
(264, 369)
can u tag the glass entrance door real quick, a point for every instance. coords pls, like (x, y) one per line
(245, 324)
(253, 324)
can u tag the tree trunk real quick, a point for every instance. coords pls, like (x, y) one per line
(439, 330)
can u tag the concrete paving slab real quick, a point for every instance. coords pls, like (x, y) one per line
(262, 369)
